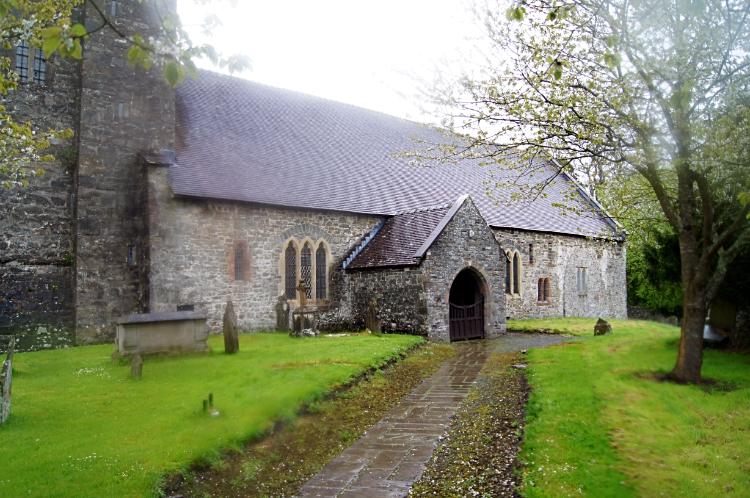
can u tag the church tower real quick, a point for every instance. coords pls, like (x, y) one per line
(124, 109)
(72, 257)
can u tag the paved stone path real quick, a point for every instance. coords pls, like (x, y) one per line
(391, 455)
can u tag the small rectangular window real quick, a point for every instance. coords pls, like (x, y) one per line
(40, 67)
(131, 255)
(581, 280)
(531, 253)
(22, 60)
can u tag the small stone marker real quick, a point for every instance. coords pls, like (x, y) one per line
(673, 321)
(372, 320)
(136, 366)
(6, 382)
(602, 327)
(231, 338)
(282, 314)
(208, 406)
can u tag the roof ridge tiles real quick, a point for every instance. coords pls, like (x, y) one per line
(424, 209)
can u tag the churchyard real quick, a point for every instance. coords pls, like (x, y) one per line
(600, 419)
(81, 426)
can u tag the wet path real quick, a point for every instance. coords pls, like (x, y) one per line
(391, 455)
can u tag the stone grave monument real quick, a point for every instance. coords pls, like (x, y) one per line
(136, 366)
(159, 333)
(602, 327)
(372, 320)
(282, 314)
(231, 337)
(303, 318)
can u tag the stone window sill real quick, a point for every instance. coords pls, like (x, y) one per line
(543, 303)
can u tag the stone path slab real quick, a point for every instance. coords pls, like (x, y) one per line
(391, 455)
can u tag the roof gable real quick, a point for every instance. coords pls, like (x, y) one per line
(405, 238)
(399, 240)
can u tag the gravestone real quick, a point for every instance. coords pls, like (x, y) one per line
(231, 338)
(602, 327)
(6, 381)
(303, 317)
(282, 314)
(673, 321)
(372, 320)
(302, 320)
(136, 366)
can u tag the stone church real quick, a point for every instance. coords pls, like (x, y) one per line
(223, 189)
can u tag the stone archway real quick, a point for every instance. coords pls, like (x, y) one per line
(466, 307)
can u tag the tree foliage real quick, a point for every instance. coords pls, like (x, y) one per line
(47, 24)
(647, 93)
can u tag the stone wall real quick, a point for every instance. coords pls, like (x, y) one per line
(400, 294)
(643, 313)
(558, 257)
(36, 229)
(466, 243)
(125, 109)
(190, 242)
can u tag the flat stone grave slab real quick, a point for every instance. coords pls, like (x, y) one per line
(156, 333)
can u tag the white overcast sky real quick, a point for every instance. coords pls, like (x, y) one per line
(345, 50)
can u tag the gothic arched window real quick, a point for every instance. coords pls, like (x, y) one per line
(507, 274)
(290, 272)
(320, 272)
(516, 273)
(306, 268)
(543, 290)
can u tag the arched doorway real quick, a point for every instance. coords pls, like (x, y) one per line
(466, 305)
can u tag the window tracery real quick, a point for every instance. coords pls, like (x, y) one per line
(306, 269)
(307, 261)
(239, 256)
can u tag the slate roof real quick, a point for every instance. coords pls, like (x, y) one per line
(397, 242)
(243, 141)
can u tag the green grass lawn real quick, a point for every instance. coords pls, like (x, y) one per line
(601, 424)
(83, 427)
(576, 327)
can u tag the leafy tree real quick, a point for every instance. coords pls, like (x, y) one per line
(653, 93)
(47, 24)
(653, 274)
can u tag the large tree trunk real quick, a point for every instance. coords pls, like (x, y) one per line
(694, 276)
(690, 354)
